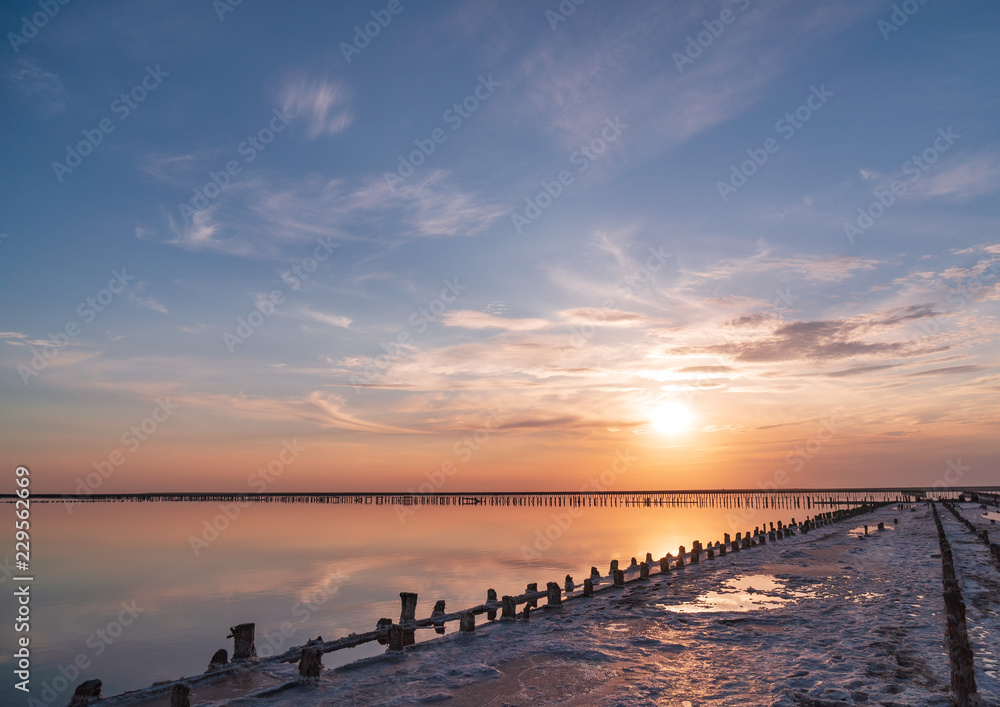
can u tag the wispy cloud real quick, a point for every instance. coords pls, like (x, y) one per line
(323, 318)
(263, 216)
(326, 105)
(949, 370)
(39, 85)
(574, 86)
(482, 320)
(14, 338)
(604, 317)
(822, 340)
(974, 176)
(833, 268)
(136, 294)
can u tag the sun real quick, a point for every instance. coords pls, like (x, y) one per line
(671, 418)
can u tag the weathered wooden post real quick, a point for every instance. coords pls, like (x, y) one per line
(664, 565)
(643, 570)
(619, 578)
(408, 608)
(243, 646)
(772, 536)
(180, 696)
(491, 596)
(881, 526)
(395, 640)
(527, 612)
(633, 563)
(509, 609)
(614, 567)
(86, 693)
(436, 614)
(711, 553)
(649, 558)
(588, 587)
(594, 573)
(382, 630)
(467, 625)
(695, 552)
(727, 540)
(554, 593)
(219, 660)
(533, 587)
(570, 585)
(722, 549)
(310, 662)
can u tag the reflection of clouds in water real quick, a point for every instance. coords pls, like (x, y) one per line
(741, 594)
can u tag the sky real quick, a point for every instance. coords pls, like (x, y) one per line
(402, 245)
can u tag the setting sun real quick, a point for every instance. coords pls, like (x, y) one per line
(671, 417)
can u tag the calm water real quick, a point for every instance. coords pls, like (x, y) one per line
(317, 569)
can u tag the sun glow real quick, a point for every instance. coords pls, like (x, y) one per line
(671, 418)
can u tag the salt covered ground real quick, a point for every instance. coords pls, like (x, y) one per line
(979, 581)
(826, 618)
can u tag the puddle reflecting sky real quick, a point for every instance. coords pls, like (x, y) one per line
(753, 592)
(872, 529)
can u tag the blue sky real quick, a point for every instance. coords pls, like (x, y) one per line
(613, 213)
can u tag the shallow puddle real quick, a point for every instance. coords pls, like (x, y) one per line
(872, 529)
(741, 594)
